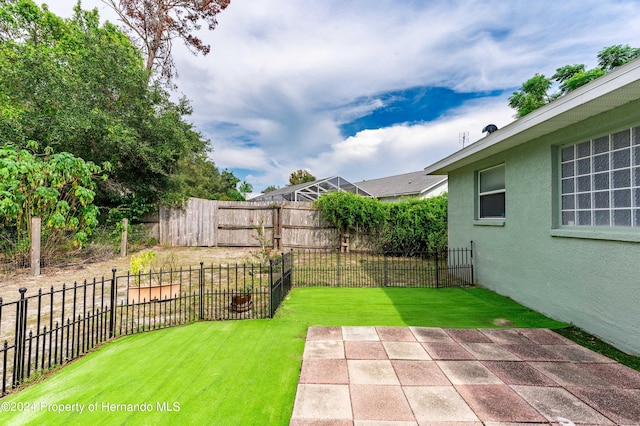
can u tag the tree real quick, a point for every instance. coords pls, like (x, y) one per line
(300, 176)
(269, 188)
(580, 79)
(534, 92)
(76, 86)
(244, 188)
(57, 187)
(616, 55)
(531, 96)
(568, 71)
(154, 24)
(197, 176)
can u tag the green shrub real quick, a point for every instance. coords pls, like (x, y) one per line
(415, 226)
(352, 213)
(57, 187)
(409, 227)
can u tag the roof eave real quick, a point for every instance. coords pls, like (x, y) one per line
(435, 185)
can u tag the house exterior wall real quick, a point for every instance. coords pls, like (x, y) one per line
(587, 277)
(434, 191)
(439, 189)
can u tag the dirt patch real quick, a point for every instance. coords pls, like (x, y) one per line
(176, 256)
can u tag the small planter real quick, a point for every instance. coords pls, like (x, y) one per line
(153, 293)
(241, 302)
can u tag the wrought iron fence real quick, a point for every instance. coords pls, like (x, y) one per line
(52, 327)
(443, 268)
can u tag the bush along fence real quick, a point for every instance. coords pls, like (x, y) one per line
(40, 332)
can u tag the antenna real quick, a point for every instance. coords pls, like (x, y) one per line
(463, 137)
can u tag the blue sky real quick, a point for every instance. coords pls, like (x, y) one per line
(372, 88)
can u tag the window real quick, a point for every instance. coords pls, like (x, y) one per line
(601, 181)
(491, 193)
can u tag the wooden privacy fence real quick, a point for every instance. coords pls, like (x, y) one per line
(208, 223)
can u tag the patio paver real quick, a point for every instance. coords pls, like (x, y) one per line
(570, 374)
(468, 373)
(489, 352)
(372, 372)
(498, 403)
(382, 403)
(518, 373)
(620, 405)
(359, 349)
(425, 334)
(419, 373)
(406, 350)
(323, 402)
(447, 351)
(325, 371)
(396, 334)
(398, 376)
(555, 403)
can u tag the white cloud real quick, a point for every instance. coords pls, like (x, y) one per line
(283, 75)
(290, 71)
(407, 148)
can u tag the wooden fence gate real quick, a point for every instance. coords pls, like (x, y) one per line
(208, 223)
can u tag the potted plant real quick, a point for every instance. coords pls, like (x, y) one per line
(154, 290)
(241, 302)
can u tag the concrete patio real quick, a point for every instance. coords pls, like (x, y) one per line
(419, 376)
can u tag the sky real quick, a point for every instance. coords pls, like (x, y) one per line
(365, 89)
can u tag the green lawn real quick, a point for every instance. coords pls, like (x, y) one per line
(237, 372)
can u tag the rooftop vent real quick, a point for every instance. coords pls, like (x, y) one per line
(489, 128)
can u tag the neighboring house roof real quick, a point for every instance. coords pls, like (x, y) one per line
(310, 191)
(407, 184)
(610, 91)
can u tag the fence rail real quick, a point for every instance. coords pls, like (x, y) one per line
(53, 327)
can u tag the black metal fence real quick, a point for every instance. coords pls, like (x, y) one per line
(52, 327)
(443, 268)
(42, 331)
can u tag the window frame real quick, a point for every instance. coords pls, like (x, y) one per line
(480, 194)
(598, 196)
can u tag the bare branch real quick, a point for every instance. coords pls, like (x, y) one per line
(153, 24)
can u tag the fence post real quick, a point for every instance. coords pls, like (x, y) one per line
(20, 338)
(338, 269)
(112, 316)
(270, 288)
(344, 243)
(201, 286)
(290, 269)
(473, 281)
(385, 267)
(277, 228)
(437, 271)
(123, 238)
(36, 227)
